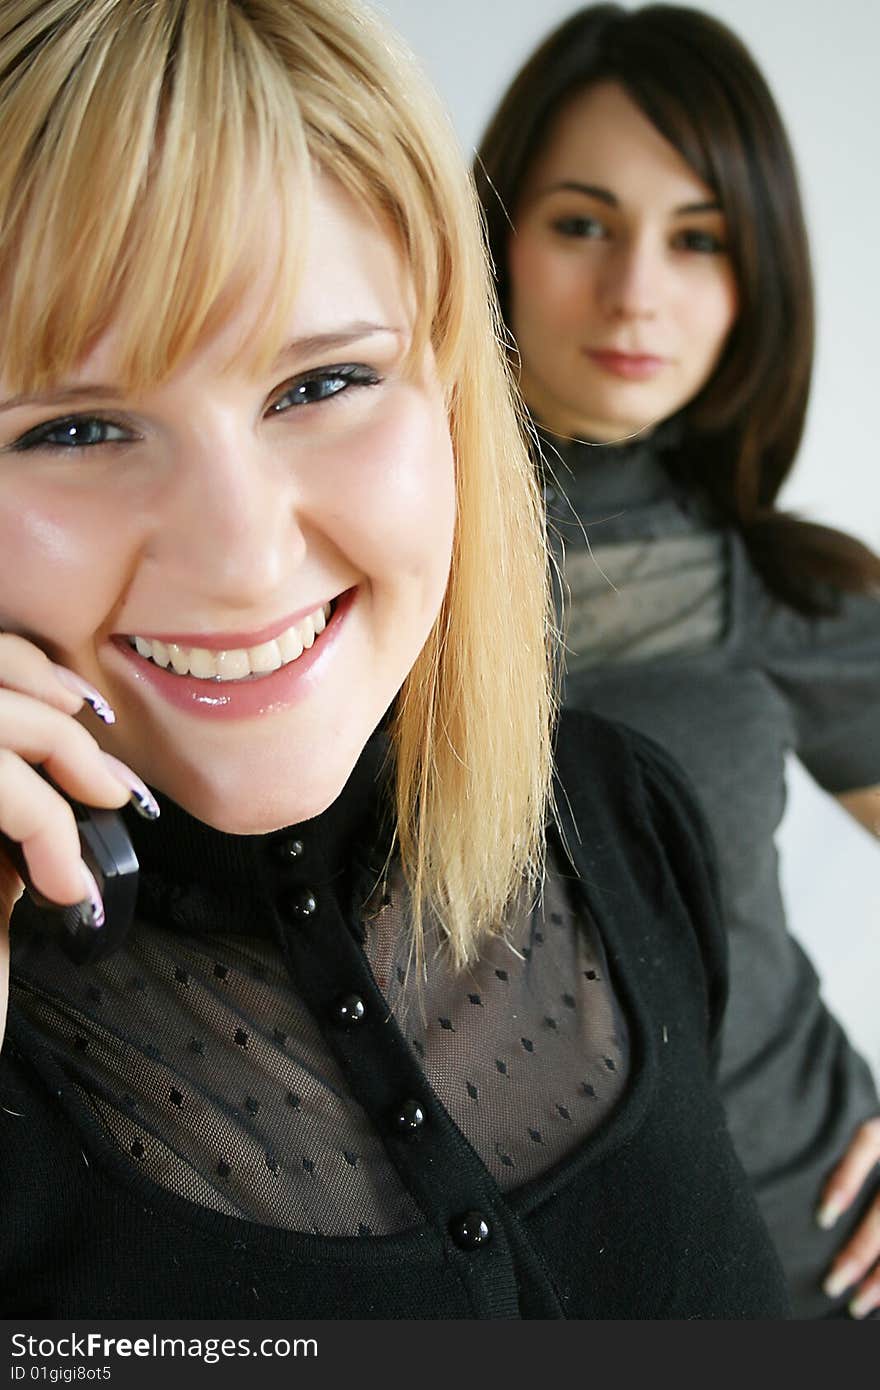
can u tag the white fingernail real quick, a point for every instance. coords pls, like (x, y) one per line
(839, 1280)
(71, 681)
(828, 1213)
(142, 797)
(862, 1305)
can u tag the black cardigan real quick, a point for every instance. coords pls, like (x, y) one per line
(651, 1217)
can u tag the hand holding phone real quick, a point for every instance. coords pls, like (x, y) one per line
(90, 930)
(58, 795)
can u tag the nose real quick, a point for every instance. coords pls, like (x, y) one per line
(630, 286)
(230, 527)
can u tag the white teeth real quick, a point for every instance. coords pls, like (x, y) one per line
(239, 663)
(203, 663)
(178, 658)
(229, 666)
(160, 654)
(267, 657)
(290, 644)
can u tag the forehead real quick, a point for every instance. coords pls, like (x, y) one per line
(602, 137)
(352, 260)
(350, 270)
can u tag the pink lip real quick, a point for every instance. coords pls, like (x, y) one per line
(632, 366)
(228, 641)
(241, 699)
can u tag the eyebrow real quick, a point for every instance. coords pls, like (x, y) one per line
(604, 195)
(328, 342)
(307, 346)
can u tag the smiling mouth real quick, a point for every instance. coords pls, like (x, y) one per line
(238, 663)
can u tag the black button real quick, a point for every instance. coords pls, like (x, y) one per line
(349, 1010)
(470, 1231)
(409, 1118)
(303, 903)
(289, 849)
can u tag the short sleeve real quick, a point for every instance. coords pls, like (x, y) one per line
(828, 670)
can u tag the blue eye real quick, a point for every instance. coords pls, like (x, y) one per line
(314, 387)
(73, 432)
(705, 243)
(583, 228)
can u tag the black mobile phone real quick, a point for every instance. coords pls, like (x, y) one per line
(109, 853)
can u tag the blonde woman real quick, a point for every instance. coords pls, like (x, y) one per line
(378, 1043)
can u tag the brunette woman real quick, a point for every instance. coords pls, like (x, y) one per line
(652, 263)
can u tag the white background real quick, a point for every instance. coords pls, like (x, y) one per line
(821, 63)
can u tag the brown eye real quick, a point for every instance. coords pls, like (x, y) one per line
(705, 243)
(583, 228)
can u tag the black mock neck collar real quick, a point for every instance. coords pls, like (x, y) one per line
(184, 861)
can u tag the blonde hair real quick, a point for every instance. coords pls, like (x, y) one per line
(136, 135)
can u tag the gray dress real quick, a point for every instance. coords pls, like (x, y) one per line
(669, 629)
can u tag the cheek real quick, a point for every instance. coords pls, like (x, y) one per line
(392, 505)
(61, 571)
(547, 285)
(712, 316)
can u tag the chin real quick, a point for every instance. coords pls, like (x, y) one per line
(617, 427)
(255, 800)
(261, 819)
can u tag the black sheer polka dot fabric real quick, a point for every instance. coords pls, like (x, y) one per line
(528, 1050)
(211, 1073)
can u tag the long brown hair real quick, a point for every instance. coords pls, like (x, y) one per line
(701, 89)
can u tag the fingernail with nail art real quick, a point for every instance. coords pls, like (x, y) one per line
(92, 910)
(71, 681)
(141, 797)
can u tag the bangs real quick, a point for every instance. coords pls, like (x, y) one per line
(130, 191)
(142, 146)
